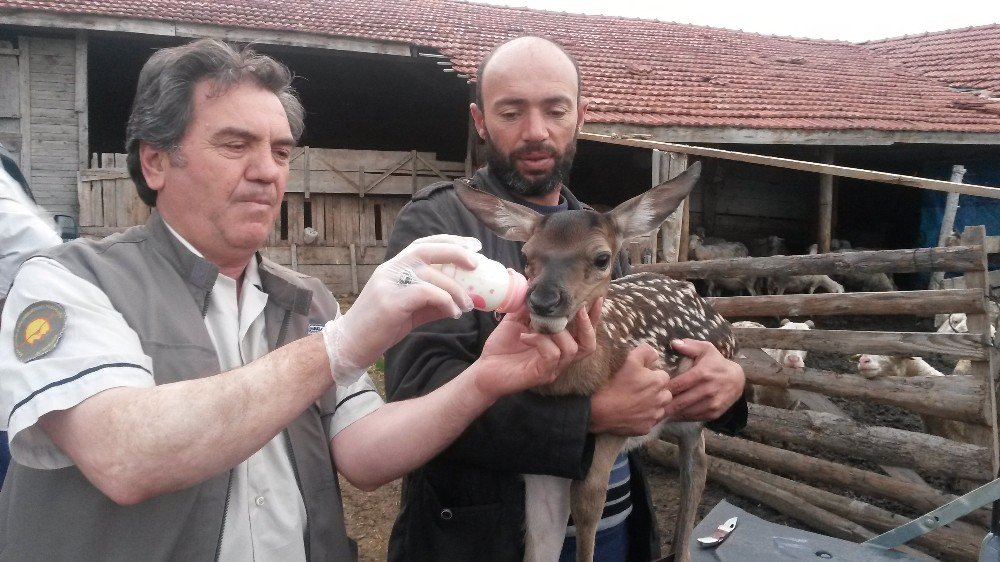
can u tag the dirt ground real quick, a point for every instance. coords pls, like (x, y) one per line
(370, 515)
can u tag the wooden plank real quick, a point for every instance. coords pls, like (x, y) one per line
(665, 167)
(103, 174)
(375, 161)
(916, 344)
(370, 256)
(390, 212)
(306, 189)
(920, 497)
(109, 201)
(781, 500)
(958, 545)
(100, 231)
(980, 324)
(295, 220)
(814, 137)
(839, 304)
(820, 403)
(826, 204)
(335, 182)
(956, 258)
(369, 185)
(84, 194)
(934, 455)
(354, 271)
(317, 255)
(80, 94)
(318, 210)
(10, 86)
(956, 397)
(123, 198)
(830, 169)
(24, 83)
(349, 223)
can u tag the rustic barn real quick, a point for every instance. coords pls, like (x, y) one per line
(400, 74)
(965, 60)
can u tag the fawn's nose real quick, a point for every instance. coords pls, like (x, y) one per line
(544, 301)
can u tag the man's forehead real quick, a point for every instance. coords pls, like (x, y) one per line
(228, 108)
(529, 61)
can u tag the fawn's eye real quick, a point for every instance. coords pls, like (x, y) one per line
(602, 260)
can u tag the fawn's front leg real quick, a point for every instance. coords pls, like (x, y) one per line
(587, 496)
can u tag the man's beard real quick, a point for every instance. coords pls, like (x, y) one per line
(502, 166)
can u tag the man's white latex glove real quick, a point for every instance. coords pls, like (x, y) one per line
(402, 293)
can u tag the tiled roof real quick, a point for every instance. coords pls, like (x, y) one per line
(641, 72)
(962, 58)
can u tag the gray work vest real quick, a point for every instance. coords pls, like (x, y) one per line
(161, 289)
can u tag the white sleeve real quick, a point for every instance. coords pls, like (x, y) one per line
(343, 405)
(22, 230)
(353, 403)
(96, 351)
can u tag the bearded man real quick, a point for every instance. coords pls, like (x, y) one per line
(468, 502)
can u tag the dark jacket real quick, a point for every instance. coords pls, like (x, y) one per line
(161, 289)
(468, 503)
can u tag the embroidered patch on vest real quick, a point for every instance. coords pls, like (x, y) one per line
(38, 330)
(315, 328)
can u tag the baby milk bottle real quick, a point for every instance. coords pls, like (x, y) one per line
(490, 285)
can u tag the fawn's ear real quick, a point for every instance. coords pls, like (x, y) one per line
(645, 213)
(507, 220)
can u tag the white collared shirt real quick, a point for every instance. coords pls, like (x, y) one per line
(98, 350)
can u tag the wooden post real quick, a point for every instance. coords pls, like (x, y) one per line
(295, 256)
(947, 221)
(80, 104)
(666, 166)
(413, 172)
(305, 175)
(354, 270)
(984, 370)
(471, 139)
(24, 79)
(826, 204)
(709, 196)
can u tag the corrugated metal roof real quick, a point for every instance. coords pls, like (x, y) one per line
(642, 72)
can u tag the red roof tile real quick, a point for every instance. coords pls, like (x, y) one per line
(962, 58)
(641, 72)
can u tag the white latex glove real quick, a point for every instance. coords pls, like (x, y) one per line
(402, 293)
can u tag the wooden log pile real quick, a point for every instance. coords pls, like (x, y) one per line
(824, 494)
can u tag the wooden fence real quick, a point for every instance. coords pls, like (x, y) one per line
(338, 210)
(749, 465)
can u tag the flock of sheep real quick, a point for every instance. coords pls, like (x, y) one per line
(867, 365)
(702, 248)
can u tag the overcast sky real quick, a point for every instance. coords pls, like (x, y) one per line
(848, 20)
